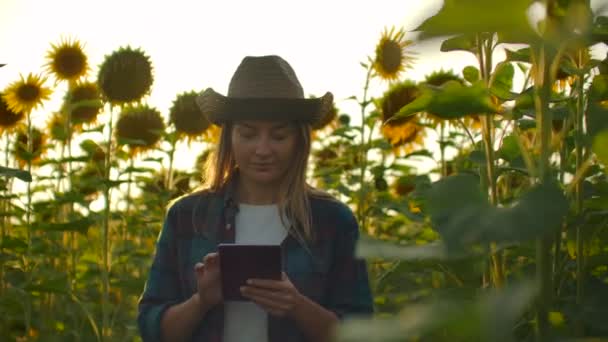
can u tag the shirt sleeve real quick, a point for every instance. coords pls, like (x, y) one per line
(349, 290)
(162, 286)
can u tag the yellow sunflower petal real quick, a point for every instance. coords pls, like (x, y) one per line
(391, 55)
(67, 60)
(26, 94)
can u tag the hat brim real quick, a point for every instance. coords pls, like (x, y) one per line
(219, 109)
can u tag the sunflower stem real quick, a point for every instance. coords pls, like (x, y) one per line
(106, 231)
(363, 153)
(169, 179)
(543, 243)
(484, 56)
(578, 141)
(444, 168)
(28, 218)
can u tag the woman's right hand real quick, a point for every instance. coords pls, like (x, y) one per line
(208, 280)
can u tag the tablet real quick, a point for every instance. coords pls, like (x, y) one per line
(239, 262)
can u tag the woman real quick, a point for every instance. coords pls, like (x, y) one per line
(256, 193)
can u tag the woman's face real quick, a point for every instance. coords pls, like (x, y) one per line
(263, 150)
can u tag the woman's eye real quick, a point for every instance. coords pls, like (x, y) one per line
(248, 135)
(279, 137)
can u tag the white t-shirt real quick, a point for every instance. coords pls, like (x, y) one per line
(255, 224)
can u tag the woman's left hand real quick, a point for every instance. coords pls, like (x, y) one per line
(277, 297)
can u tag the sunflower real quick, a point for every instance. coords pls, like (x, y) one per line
(437, 79)
(84, 101)
(187, 117)
(125, 76)
(391, 55)
(398, 96)
(403, 185)
(67, 61)
(329, 120)
(406, 131)
(8, 118)
(21, 146)
(140, 127)
(26, 94)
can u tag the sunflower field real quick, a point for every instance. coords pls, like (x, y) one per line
(502, 236)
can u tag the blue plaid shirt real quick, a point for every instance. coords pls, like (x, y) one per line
(326, 271)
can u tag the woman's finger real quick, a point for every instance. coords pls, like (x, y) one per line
(271, 295)
(269, 303)
(268, 284)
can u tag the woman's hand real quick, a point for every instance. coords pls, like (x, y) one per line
(208, 280)
(277, 297)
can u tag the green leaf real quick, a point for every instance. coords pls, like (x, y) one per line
(597, 118)
(509, 150)
(478, 157)
(471, 74)
(521, 55)
(600, 147)
(461, 42)
(455, 100)
(450, 101)
(79, 226)
(462, 215)
(373, 248)
(472, 17)
(21, 174)
(502, 81)
(598, 91)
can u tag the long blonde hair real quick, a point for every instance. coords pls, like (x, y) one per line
(294, 191)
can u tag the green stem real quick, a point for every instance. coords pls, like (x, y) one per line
(363, 154)
(105, 237)
(28, 218)
(580, 252)
(169, 179)
(444, 168)
(543, 244)
(484, 54)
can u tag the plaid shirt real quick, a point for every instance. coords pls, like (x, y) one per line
(325, 272)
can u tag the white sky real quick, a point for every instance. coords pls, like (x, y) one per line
(198, 44)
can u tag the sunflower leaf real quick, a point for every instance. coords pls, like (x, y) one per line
(504, 16)
(455, 100)
(597, 118)
(502, 81)
(521, 55)
(459, 43)
(21, 174)
(468, 218)
(471, 74)
(81, 226)
(600, 147)
(373, 248)
(598, 91)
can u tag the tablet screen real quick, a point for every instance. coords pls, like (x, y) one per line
(239, 262)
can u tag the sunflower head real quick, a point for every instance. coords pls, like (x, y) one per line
(187, 117)
(21, 146)
(84, 101)
(404, 185)
(395, 98)
(8, 118)
(140, 127)
(67, 61)
(329, 120)
(391, 55)
(404, 137)
(26, 94)
(125, 76)
(440, 77)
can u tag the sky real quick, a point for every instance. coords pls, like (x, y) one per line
(198, 44)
